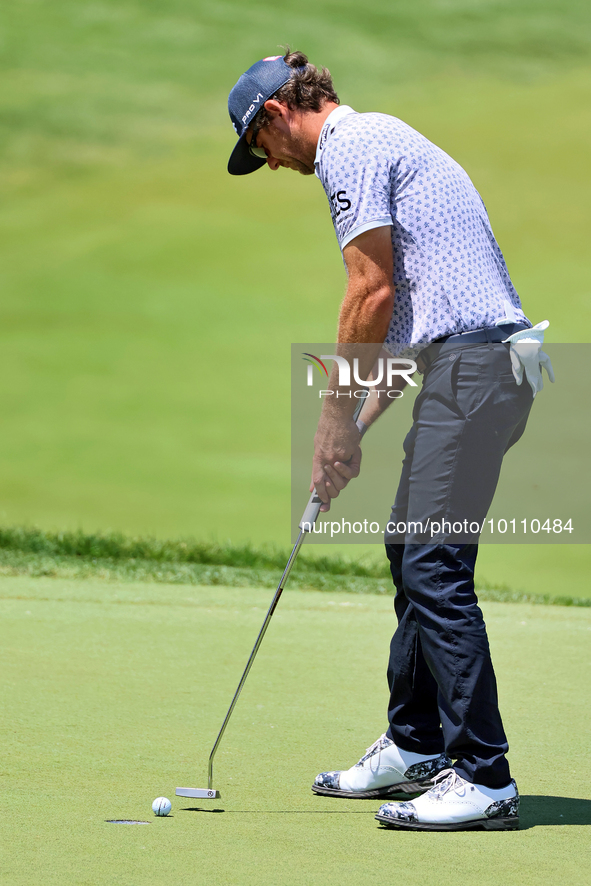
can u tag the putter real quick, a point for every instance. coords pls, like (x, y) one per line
(309, 517)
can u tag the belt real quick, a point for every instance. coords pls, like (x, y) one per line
(492, 335)
(481, 336)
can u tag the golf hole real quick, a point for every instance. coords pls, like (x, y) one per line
(125, 821)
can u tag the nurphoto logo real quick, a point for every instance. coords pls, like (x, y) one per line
(387, 370)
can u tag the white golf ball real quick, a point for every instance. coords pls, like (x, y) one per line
(161, 806)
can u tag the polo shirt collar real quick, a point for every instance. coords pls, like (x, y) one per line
(328, 129)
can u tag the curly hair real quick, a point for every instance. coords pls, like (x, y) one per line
(308, 89)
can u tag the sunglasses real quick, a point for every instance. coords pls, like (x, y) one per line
(256, 152)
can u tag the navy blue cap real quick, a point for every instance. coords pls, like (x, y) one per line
(258, 84)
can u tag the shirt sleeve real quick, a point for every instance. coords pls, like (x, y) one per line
(357, 179)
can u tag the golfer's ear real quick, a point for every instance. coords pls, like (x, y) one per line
(275, 109)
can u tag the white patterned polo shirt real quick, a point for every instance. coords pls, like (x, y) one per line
(449, 273)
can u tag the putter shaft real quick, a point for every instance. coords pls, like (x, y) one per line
(259, 640)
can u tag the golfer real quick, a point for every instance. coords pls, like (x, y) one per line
(426, 280)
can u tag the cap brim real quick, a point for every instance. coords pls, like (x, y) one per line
(241, 161)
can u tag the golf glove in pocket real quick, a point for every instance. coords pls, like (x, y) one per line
(527, 356)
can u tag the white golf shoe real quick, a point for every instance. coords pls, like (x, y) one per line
(453, 804)
(385, 770)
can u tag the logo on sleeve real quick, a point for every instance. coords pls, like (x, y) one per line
(339, 203)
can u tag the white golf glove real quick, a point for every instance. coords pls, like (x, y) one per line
(527, 356)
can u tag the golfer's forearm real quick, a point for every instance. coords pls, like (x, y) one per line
(363, 324)
(365, 313)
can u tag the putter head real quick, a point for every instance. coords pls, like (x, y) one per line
(199, 793)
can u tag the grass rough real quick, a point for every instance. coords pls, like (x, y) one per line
(116, 557)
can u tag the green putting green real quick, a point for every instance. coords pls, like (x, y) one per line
(112, 695)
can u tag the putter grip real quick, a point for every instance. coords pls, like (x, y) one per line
(311, 513)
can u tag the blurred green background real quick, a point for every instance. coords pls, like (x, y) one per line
(149, 299)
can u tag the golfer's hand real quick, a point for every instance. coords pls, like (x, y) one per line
(337, 458)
